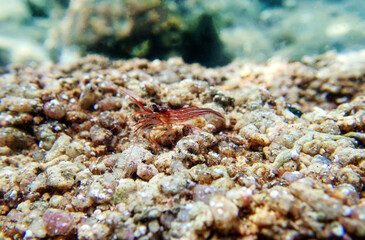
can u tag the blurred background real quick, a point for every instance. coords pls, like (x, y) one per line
(209, 32)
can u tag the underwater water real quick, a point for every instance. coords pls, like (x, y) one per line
(212, 33)
(182, 119)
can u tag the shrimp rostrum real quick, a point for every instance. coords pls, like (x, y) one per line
(163, 117)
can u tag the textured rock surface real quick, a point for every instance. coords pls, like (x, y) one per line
(287, 163)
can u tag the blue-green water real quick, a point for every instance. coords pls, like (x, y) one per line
(212, 32)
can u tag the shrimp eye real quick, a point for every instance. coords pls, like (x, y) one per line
(162, 109)
(155, 108)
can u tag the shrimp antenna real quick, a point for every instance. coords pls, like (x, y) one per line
(134, 99)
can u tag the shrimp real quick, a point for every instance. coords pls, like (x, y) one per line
(163, 117)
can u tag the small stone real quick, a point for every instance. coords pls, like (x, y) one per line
(319, 163)
(89, 96)
(39, 183)
(59, 147)
(201, 173)
(99, 231)
(225, 213)
(224, 184)
(337, 230)
(200, 216)
(154, 226)
(320, 160)
(317, 199)
(264, 217)
(109, 104)
(46, 136)
(164, 162)
(76, 116)
(292, 176)
(21, 105)
(204, 193)
(175, 184)
(126, 164)
(38, 228)
(101, 189)
(348, 155)
(5, 151)
(219, 171)
(57, 222)
(54, 109)
(146, 172)
(81, 201)
(241, 196)
(100, 135)
(14, 138)
(125, 188)
(74, 149)
(61, 176)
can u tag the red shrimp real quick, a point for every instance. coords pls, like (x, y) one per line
(166, 117)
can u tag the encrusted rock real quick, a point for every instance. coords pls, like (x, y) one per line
(128, 161)
(124, 189)
(19, 104)
(58, 147)
(57, 222)
(175, 184)
(317, 199)
(225, 214)
(102, 188)
(15, 138)
(146, 172)
(89, 96)
(288, 163)
(61, 176)
(346, 156)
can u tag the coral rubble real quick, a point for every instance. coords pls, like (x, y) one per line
(288, 162)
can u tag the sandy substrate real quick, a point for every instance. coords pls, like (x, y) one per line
(288, 161)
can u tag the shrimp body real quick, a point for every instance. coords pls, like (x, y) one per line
(161, 116)
(176, 116)
(165, 117)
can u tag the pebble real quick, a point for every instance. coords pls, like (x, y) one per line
(20, 105)
(46, 136)
(127, 163)
(200, 215)
(204, 193)
(74, 149)
(292, 176)
(328, 207)
(240, 196)
(15, 138)
(81, 201)
(346, 156)
(57, 222)
(89, 96)
(54, 109)
(59, 147)
(175, 184)
(100, 135)
(61, 176)
(124, 189)
(101, 190)
(39, 183)
(225, 213)
(201, 174)
(154, 226)
(146, 172)
(109, 104)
